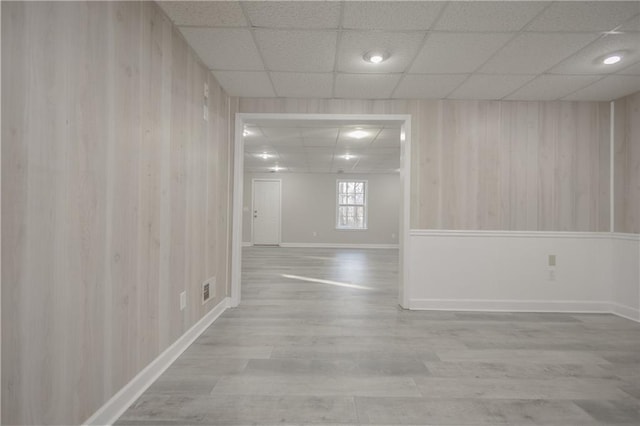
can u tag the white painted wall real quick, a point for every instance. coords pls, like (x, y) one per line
(309, 205)
(625, 272)
(509, 271)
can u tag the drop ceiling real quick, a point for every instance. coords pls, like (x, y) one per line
(512, 50)
(321, 147)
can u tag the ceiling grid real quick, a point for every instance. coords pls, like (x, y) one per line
(485, 50)
(524, 50)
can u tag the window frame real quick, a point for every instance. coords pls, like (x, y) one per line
(365, 205)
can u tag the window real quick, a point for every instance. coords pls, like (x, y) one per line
(352, 204)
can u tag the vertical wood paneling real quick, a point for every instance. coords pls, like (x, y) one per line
(113, 189)
(627, 164)
(494, 165)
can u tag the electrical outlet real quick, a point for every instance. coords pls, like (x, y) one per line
(552, 260)
(552, 275)
(315, 234)
(183, 300)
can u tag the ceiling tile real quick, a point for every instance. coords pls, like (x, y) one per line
(402, 48)
(445, 53)
(487, 15)
(319, 132)
(428, 86)
(365, 86)
(319, 152)
(303, 85)
(589, 59)
(489, 86)
(319, 142)
(284, 144)
(632, 70)
(534, 53)
(387, 138)
(609, 88)
(551, 87)
(293, 158)
(318, 159)
(264, 147)
(383, 152)
(632, 25)
(296, 50)
(253, 84)
(253, 159)
(584, 16)
(204, 13)
(253, 132)
(370, 132)
(397, 15)
(351, 145)
(279, 133)
(225, 48)
(255, 141)
(293, 14)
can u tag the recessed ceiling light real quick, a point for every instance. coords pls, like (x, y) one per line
(358, 134)
(612, 59)
(276, 168)
(246, 132)
(375, 57)
(265, 156)
(348, 156)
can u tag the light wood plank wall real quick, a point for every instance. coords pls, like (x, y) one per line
(492, 165)
(627, 164)
(115, 198)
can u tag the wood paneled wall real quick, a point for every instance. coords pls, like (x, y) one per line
(627, 164)
(491, 165)
(115, 198)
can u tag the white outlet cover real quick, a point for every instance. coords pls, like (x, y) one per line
(183, 300)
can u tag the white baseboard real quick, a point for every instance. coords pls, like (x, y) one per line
(509, 234)
(569, 306)
(625, 312)
(118, 404)
(339, 245)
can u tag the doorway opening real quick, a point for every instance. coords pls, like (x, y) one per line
(351, 214)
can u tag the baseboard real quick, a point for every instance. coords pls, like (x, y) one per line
(627, 312)
(338, 245)
(569, 306)
(118, 404)
(509, 234)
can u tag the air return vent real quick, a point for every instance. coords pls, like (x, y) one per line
(208, 289)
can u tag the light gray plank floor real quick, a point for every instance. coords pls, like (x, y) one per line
(319, 339)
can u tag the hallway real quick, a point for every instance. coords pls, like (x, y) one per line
(319, 339)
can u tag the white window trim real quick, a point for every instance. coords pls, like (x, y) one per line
(366, 205)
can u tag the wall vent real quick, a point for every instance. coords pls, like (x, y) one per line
(208, 290)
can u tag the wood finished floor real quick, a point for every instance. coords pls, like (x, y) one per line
(319, 339)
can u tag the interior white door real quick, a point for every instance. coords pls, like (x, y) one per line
(266, 212)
